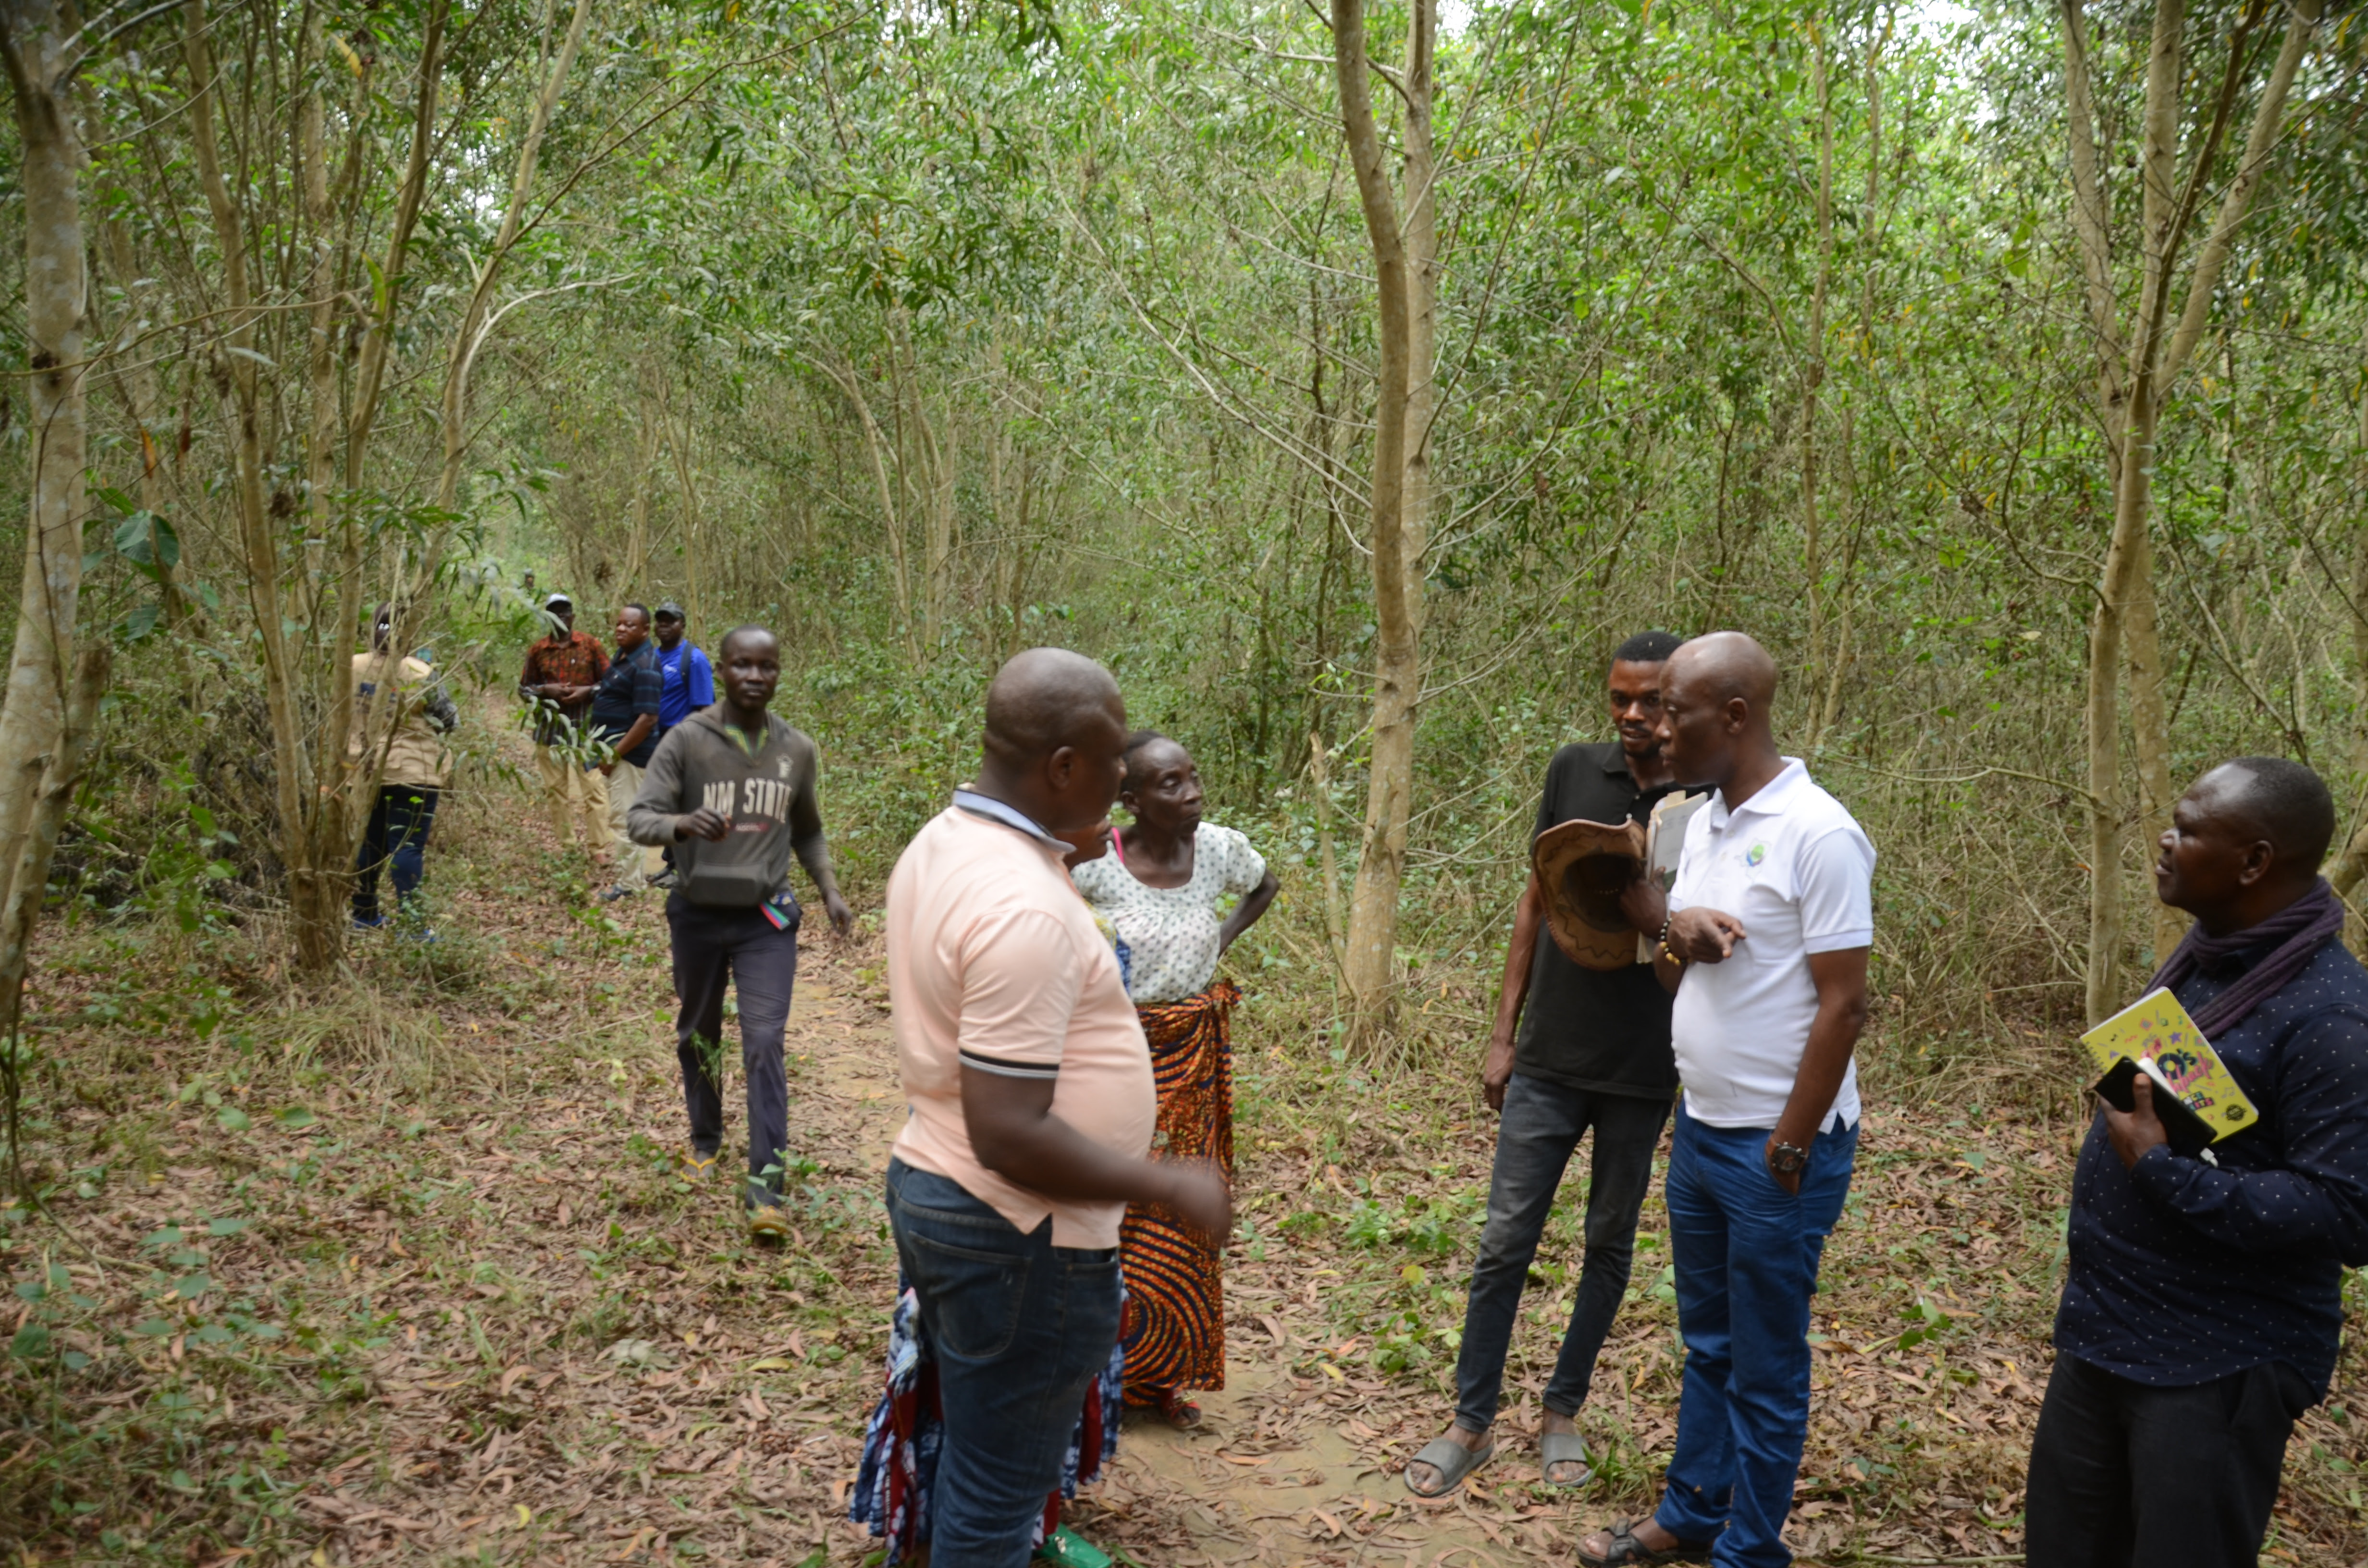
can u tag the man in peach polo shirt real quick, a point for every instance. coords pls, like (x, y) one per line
(1033, 1104)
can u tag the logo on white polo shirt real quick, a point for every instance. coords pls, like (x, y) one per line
(1757, 853)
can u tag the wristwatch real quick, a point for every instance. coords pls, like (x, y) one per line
(1788, 1159)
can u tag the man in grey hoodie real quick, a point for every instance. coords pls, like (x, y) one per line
(731, 789)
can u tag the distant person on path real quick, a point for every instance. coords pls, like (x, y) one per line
(2204, 1301)
(1592, 1054)
(732, 788)
(690, 679)
(1032, 1106)
(1159, 886)
(1765, 945)
(561, 673)
(624, 717)
(689, 687)
(401, 715)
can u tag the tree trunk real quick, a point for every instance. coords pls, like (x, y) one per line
(1829, 707)
(687, 479)
(1369, 966)
(2125, 553)
(925, 473)
(1319, 774)
(1011, 485)
(2122, 625)
(1421, 185)
(34, 37)
(1016, 592)
(844, 377)
(378, 332)
(470, 336)
(333, 834)
(646, 457)
(29, 876)
(315, 937)
(2150, 728)
(2352, 863)
(1813, 374)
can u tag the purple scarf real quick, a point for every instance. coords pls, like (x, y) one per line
(2299, 929)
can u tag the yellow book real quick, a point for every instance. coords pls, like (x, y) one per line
(2156, 1027)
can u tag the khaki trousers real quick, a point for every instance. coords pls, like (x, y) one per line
(636, 863)
(578, 809)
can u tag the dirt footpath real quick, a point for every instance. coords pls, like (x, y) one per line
(1283, 1469)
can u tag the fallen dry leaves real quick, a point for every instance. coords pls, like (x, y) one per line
(404, 1272)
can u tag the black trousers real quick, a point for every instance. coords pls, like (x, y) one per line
(1536, 1136)
(395, 838)
(2125, 1473)
(713, 949)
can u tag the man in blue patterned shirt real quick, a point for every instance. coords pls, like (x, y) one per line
(625, 715)
(2204, 1304)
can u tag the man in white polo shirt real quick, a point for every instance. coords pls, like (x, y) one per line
(1766, 946)
(1032, 1106)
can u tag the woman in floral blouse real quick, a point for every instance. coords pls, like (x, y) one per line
(1159, 888)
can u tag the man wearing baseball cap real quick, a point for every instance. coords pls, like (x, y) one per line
(690, 678)
(561, 672)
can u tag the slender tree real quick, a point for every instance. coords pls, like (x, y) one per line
(2139, 359)
(1370, 959)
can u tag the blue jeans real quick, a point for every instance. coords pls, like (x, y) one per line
(1540, 1130)
(1747, 1255)
(1019, 1328)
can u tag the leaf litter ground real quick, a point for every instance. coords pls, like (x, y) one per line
(405, 1271)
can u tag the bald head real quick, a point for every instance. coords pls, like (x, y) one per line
(1042, 699)
(1725, 665)
(1715, 695)
(1055, 738)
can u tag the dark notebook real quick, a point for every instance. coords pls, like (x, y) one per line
(2188, 1133)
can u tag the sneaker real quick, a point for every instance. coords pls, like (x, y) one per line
(698, 1164)
(620, 891)
(769, 1222)
(664, 878)
(370, 922)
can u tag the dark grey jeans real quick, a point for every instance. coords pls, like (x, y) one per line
(1542, 1126)
(713, 947)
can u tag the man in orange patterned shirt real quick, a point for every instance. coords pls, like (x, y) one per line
(561, 671)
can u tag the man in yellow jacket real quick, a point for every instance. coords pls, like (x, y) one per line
(400, 717)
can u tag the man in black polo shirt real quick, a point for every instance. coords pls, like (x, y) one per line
(1592, 1053)
(625, 702)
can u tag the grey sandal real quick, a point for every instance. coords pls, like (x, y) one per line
(1563, 1448)
(1452, 1460)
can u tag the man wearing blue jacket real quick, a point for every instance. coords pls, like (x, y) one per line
(690, 679)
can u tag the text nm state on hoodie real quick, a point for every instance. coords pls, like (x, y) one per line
(766, 792)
